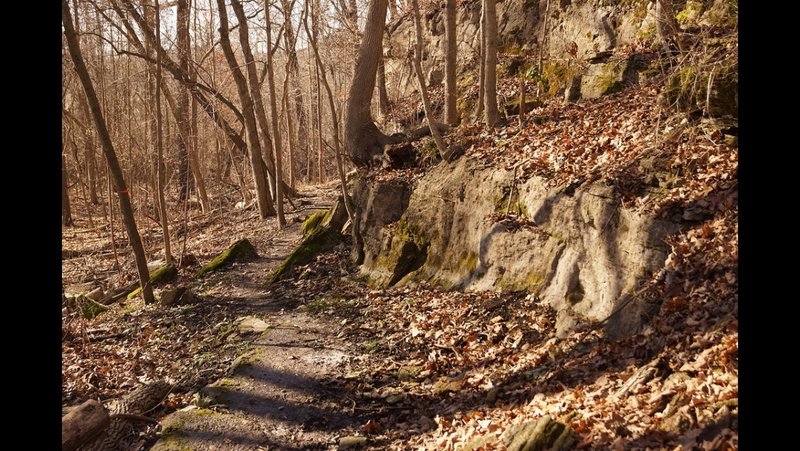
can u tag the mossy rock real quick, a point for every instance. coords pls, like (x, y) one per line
(88, 307)
(159, 275)
(321, 239)
(539, 435)
(310, 224)
(241, 250)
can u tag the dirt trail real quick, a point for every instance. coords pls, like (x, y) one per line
(276, 394)
(274, 397)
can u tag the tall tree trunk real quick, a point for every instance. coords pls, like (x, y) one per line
(277, 141)
(89, 154)
(301, 132)
(362, 138)
(154, 82)
(450, 109)
(481, 66)
(491, 114)
(317, 68)
(182, 119)
(115, 172)
(437, 138)
(334, 118)
(66, 210)
(383, 94)
(258, 101)
(254, 145)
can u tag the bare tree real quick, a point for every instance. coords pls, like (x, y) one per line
(276, 132)
(490, 112)
(262, 191)
(66, 210)
(115, 172)
(383, 94)
(450, 110)
(156, 134)
(187, 154)
(362, 137)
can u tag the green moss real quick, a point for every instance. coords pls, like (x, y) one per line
(468, 261)
(321, 239)
(133, 306)
(371, 346)
(159, 275)
(501, 203)
(555, 75)
(238, 251)
(409, 232)
(530, 282)
(689, 15)
(310, 224)
(88, 308)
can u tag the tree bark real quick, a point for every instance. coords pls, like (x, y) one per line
(66, 210)
(277, 141)
(491, 114)
(450, 109)
(301, 134)
(182, 117)
(115, 171)
(158, 138)
(262, 191)
(383, 95)
(334, 118)
(481, 66)
(187, 152)
(82, 424)
(437, 138)
(362, 137)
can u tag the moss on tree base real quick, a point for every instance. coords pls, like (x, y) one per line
(159, 275)
(239, 251)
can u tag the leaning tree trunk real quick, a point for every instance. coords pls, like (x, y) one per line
(115, 172)
(361, 135)
(258, 102)
(263, 198)
(450, 110)
(490, 113)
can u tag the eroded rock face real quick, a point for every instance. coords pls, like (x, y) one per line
(584, 253)
(592, 26)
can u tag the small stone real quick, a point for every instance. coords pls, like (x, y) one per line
(352, 441)
(251, 324)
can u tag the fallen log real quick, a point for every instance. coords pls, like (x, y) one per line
(82, 424)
